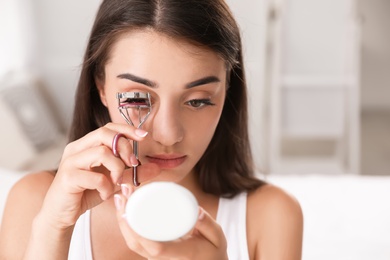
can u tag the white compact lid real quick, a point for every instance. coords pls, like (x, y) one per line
(162, 211)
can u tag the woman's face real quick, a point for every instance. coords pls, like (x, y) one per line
(187, 86)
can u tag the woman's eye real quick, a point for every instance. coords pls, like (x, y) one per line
(198, 103)
(136, 101)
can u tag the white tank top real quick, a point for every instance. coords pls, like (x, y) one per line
(231, 216)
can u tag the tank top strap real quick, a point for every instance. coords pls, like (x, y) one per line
(80, 244)
(231, 216)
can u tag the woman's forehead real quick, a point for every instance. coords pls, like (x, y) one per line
(149, 42)
(155, 54)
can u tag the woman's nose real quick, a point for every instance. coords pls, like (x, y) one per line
(167, 127)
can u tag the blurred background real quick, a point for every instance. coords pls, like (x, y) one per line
(319, 80)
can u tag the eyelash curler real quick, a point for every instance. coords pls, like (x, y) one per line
(135, 108)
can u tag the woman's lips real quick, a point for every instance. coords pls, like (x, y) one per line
(167, 161)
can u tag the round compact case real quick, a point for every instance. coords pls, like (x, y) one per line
(162, 211)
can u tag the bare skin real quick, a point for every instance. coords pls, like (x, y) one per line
(42, 208)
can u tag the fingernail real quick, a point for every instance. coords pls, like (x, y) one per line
(140, 132)
(125, 190)
(133, 160)
(201, 213)
(118, 201)
(119, 182)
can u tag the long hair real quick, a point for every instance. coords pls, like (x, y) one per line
(227, 167)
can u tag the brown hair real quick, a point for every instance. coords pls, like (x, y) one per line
(227, 167)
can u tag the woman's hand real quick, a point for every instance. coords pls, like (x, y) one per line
(207, 240)
(89, 173)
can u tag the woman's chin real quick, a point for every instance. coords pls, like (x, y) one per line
(167, 175)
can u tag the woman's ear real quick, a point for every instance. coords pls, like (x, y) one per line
(100, 86)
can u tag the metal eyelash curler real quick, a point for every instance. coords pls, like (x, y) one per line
(135, 108)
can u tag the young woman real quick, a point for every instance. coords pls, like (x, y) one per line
(187, 55)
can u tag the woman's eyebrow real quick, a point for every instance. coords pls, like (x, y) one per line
(149, 83)
(137, 79)
(203, 81)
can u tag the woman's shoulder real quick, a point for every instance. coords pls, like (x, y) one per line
(23, 204)
(31, 188)
(34, 183)
(270, 198)
(270, 202)
(274, 217)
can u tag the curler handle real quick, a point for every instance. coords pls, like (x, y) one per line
(135, 150)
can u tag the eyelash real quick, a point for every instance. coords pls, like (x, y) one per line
(204, 102)
(201, 102)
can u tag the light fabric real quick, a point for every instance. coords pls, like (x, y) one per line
(231, 216)
(80, 245)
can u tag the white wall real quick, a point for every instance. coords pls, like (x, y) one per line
(314, 40)
(17, 36)
(63, 29)
(314, 87)
(375, 68)
(252, 19)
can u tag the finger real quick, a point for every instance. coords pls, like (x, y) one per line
(98, 156)
(132, 239)
(104, 136)
(126, 190)
(145, 173)
(210, 229)
(193, 244)
(142, 246)
(87, 180)
(77, 181)
(73, 192)
(184, 247)
(110, 129)
(177, 249)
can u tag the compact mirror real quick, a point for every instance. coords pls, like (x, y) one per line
(162, 211)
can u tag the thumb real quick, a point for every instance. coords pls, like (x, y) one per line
(210, 229)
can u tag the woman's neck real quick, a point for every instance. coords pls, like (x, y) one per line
(206, 200)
